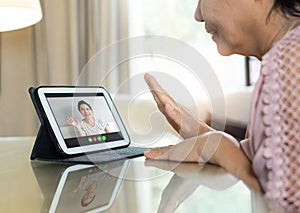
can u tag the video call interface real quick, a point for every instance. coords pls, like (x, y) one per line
(84, 119)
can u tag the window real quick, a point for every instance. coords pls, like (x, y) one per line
(175, 19)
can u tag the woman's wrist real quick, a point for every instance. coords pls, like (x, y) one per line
(232, 159)
(209, 143)
(204, 128)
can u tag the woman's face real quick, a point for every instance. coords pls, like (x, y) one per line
(85, 111)
(231, 23)
(90, 194)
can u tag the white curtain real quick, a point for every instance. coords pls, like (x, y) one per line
(72, 33)
(54, 52)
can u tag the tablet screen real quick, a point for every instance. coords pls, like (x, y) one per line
(83, 120)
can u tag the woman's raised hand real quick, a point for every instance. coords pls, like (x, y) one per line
(179, 118)
(70, 121)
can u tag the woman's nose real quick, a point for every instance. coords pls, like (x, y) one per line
(198, 14)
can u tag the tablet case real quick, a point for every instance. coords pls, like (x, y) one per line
(45, 146)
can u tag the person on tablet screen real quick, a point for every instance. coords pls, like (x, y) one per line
(89, 124)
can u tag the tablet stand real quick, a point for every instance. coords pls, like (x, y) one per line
(44, 147)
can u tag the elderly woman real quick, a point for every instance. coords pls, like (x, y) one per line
(268, 158)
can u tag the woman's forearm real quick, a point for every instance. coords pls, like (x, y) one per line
(213, 147)
(229, 156)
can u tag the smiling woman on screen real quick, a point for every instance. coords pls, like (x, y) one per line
(89, 125)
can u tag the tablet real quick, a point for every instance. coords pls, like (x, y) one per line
(82, 119)
(85, 188)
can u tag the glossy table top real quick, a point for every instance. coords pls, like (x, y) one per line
(125, 186)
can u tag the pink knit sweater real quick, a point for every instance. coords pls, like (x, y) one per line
(273, 144)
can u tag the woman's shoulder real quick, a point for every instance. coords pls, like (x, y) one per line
(100, 121)
(289, 44)
(285, 53)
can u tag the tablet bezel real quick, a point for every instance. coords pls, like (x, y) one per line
(43, 91)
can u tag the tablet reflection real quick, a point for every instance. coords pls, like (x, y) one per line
(82, 188)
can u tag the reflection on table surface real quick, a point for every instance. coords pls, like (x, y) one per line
(80, 188)
(136, 185)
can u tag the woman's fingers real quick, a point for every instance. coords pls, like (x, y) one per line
(69, 120)
(159, 153)
(159, 95)
(164, 102)
(186, 151)
(152, 83)
(180, 119)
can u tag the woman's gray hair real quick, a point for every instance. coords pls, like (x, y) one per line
(287, 7)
